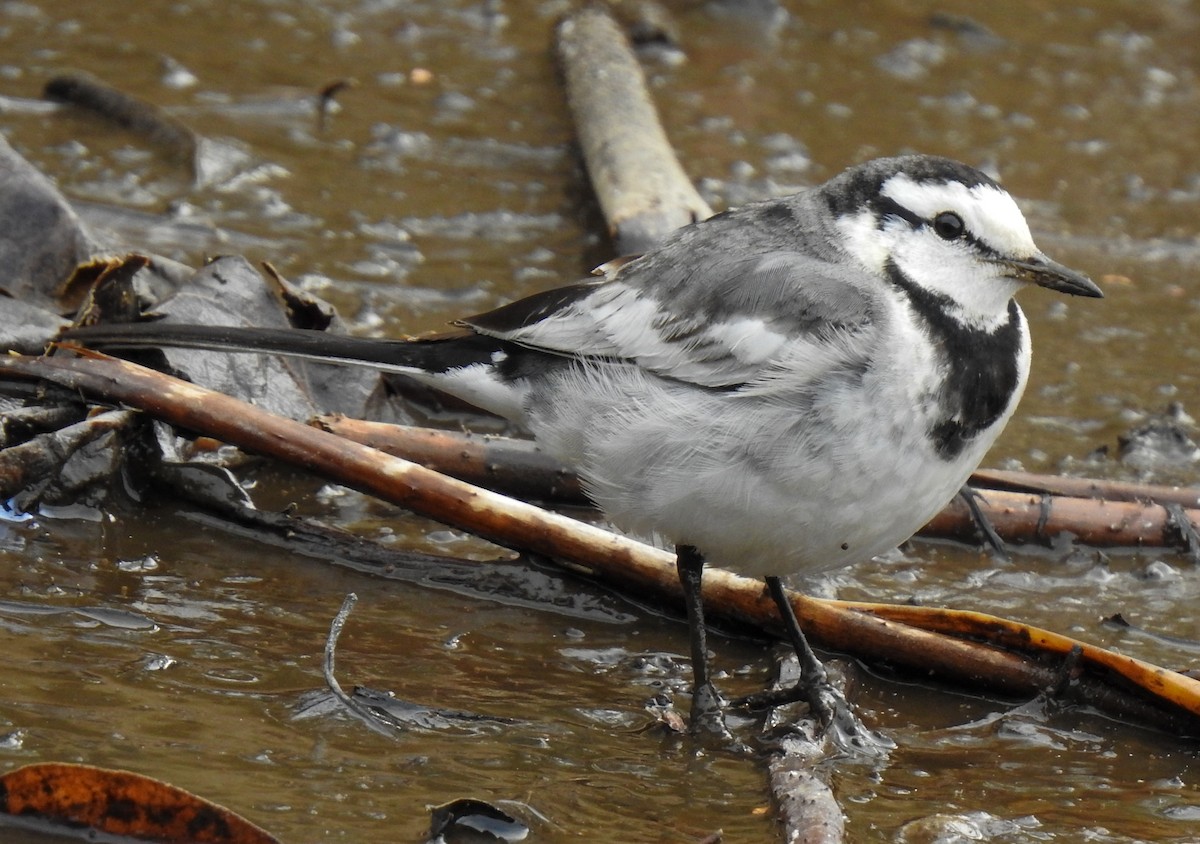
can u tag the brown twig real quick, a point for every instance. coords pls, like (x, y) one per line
(1021, 637)
(1086, 487)
(1037, 518)
(515, 467)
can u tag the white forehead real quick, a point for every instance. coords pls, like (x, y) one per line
(989, 212)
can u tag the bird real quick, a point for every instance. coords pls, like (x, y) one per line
(787, 387)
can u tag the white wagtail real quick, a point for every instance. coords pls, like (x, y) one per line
(791, 386)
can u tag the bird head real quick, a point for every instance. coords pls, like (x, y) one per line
(947, 229)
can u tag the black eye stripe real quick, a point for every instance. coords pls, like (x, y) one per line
(885, 206)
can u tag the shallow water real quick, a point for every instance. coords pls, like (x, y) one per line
(189, 653)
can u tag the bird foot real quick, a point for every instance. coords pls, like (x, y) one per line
(845, 730)
(830, 709)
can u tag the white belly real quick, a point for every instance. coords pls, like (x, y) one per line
(760, 487)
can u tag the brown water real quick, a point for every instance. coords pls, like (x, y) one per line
(187, 653)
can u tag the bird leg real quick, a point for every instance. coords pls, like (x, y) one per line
(707, 714)
(826, 703)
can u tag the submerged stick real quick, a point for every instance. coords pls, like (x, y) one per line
(807, 810)
(335, 631)
(138, 116)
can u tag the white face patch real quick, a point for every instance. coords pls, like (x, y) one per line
(990, 213)
(862, 240)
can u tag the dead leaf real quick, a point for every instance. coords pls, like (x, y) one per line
(122, 803)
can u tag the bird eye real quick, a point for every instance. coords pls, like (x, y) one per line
(949, 226)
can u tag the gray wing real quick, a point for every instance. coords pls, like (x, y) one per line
(746, 321)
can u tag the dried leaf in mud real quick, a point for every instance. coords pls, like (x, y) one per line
(58, 464)
(25, 327)
(121, 803)
(304, 310)
(105, 289)
(229, 291)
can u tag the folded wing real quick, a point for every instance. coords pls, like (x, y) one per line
(749, 322)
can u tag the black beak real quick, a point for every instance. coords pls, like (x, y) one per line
(1052, 275)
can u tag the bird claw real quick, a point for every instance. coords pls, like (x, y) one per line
(832, 713)
(845, 730)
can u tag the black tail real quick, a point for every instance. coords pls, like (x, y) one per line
(436, 354)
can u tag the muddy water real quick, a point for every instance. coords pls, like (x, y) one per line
(152, 640)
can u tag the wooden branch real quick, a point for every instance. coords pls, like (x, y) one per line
(1132, 517)
(807, 810)
(506, 521)
(516, 467)
(1169, 700)
(1038, 519)
(643, 191)
(1021, 637)
(1086, 487)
